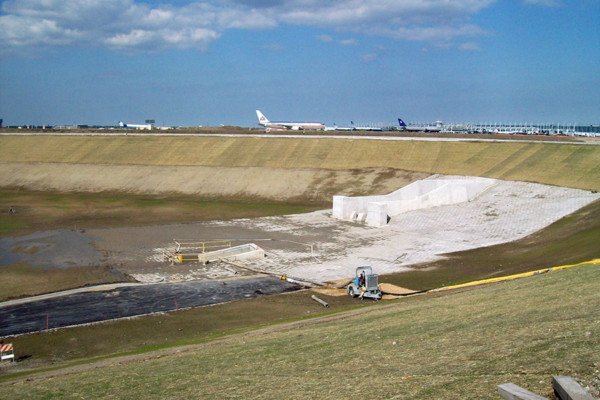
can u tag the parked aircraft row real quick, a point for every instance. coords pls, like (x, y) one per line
(524, 129)
(264, 121)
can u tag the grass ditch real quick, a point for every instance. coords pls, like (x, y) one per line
(37, 211)
(569, 240)
(459, 345)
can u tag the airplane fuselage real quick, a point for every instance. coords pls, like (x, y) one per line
(295, 126)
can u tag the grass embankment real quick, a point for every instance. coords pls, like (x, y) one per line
(568, 165)
(21, 280)
(456, 346)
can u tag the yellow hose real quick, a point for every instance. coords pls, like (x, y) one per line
(515, 276)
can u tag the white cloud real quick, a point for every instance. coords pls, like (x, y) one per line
(123, 24)
(546, 3)
(324, 38)
(119, 24)
(348, 42)
(435, 34)
(368, 57)
(343, 42)
(368, 14)
(469, 46)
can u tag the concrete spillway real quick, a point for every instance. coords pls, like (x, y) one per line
(377, 210)
(236, 253)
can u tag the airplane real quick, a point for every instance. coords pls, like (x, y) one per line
(337, 128)
(295, 126)
(135, 126)
(364, 128)
(428, 128)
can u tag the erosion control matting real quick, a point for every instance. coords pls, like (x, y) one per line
(87, 307)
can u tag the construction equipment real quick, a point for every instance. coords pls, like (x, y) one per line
(365, 284)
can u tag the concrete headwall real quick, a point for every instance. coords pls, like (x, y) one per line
(247, 251)
(432, 192)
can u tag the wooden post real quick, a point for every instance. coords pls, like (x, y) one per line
(567, 388)
(510, 391)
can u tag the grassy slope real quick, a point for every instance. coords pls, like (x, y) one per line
(568, 165)
(456, 346)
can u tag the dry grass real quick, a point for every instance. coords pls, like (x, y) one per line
(38, 211)
(541, 162)
(456, 346)
(20, 280)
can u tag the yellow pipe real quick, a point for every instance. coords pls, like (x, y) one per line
(515, 276)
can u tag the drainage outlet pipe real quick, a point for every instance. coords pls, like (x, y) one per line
(318, 300)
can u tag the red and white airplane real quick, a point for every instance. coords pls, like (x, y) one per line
(295, 126)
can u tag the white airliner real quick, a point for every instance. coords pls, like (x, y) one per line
(364, 128)
(337, 128)
(135, 126)
(428, 128)
(295, 126)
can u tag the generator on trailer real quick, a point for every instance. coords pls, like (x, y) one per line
(365, 284)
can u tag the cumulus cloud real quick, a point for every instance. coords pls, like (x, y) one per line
(120, 24)
(132, 24)
(433, 34)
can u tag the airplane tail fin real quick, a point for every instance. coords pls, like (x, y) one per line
(121, 124)
(401, 123)
(261, 118)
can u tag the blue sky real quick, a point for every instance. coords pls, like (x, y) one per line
(209, 63)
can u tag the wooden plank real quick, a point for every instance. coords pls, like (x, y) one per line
(567, 388)
(510, 391)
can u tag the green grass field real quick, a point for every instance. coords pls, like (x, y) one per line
(460, 345)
